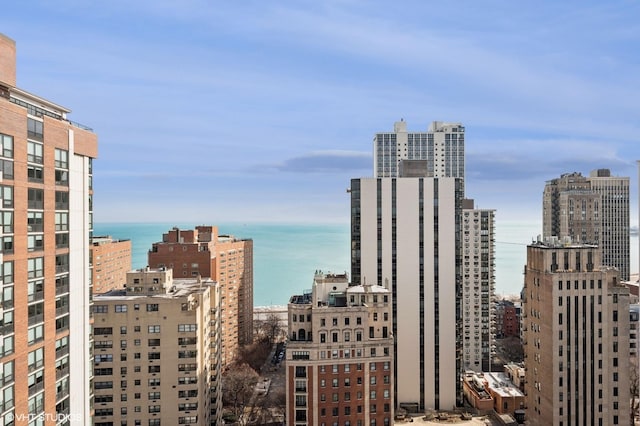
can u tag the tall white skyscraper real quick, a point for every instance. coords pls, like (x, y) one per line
(405, 236)
(442, 147)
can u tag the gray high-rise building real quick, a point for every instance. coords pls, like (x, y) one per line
(442, 147)
(593, 210)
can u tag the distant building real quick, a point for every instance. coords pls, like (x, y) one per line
(157, 351)
(507, 319)
(475, 391)
(591, 210)
(516, 374)
(576, 336)
(340, 354)
(441, 148)
(46, 187)
(478, 284)
(492, 392)
(506, 395)
(111, 262)
(226, 260)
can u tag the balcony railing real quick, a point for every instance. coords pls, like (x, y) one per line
(36, 319)
(35, 388)
(60, 352)
(61, 372)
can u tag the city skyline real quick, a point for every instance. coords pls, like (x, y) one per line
(270, 109)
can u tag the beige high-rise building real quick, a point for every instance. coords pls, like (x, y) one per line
(225, 259)
(592, 210)
(157, 351)
(111, 262)
(340, 354)
(576, 337)
(405, 234)
(47, 219)
(478, 284)
(441, 147)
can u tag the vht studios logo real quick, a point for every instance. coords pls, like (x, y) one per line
(47, 417)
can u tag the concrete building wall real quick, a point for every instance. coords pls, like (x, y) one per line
(426, 377)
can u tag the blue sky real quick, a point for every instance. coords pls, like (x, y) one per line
(212, 112)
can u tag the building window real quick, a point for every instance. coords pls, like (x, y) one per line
(62, 200)
(34, 152)
(35, 129)
(35, 242)
(35, 223)
(62, 221)
(6, 146)
(35, 198)
(6, 193)
(152, 307)
(121, 308)
(35, 174)
(35, 267)
(62, 158)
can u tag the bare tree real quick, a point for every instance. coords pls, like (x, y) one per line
(269, 408)
(272, 328)
(634, 390)
(238, 384)
(254, 354)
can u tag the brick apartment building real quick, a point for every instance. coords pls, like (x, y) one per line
(157, 351)
(111, 262)
(340, 354)
(46, 216)
(223, 258)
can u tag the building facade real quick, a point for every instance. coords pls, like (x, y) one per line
(576, 335)
(225, 259)
(46, 212)
(478, 284)
(591, 210)
(111, 262)
(339, 367)
(442, 147)
(157, 351)
(405, 235)
(615, 240)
